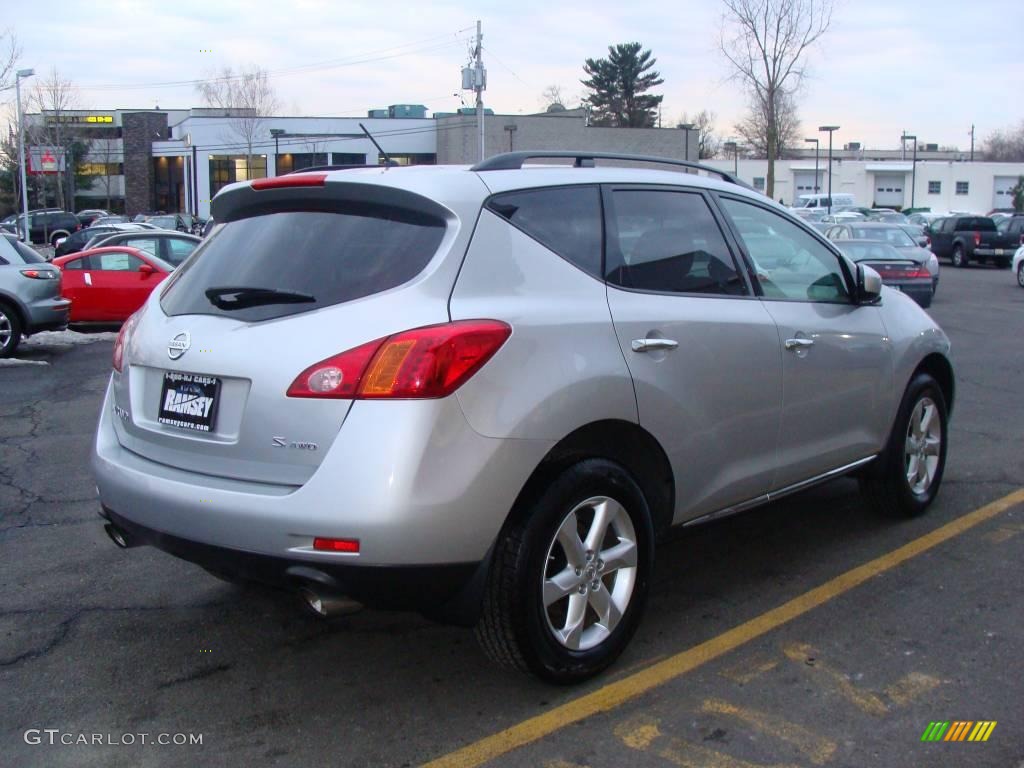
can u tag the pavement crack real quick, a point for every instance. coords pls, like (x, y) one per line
(199, 674)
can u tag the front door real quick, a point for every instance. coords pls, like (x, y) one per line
(702, 350)
(837, 369)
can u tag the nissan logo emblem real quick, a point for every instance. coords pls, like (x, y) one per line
(179, 345)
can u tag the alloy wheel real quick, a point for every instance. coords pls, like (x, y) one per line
(5, 330)
(589, 573)
(923, 445)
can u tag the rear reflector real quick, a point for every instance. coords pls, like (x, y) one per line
(297, 180)
(336, 545)
(428, 362)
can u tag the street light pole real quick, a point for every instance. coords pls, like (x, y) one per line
(277, 133)
(913, 172)
(21, 146)
(830, 129)
(815, 142)
(688, 127)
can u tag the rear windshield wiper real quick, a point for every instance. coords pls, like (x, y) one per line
(242, 297)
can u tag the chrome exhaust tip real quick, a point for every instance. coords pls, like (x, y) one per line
(117, 536)
(328, 606)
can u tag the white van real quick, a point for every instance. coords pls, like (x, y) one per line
(819, 202)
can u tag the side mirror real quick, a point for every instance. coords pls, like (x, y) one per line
(869, 285)
(146, 270)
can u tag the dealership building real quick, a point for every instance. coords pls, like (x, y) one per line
(178, 159)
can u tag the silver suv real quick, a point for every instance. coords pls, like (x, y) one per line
(484, 392)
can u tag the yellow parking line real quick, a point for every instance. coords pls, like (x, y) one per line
(818, 749)
(617, 693)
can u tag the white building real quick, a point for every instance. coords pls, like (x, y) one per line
(942, 185)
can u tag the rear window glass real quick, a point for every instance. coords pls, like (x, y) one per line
(15, 252)
(565, 219)
(319, 258)
(976, 224)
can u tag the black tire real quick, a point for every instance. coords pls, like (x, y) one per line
(515, 628)
(10, 330)
(885, 484)
(925, 303)
(959, 256)
(1020, 274)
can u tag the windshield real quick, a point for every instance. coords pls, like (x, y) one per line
(869, 251)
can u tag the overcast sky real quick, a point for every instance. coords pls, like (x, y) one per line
(931, 68)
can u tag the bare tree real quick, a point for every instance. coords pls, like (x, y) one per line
(766, 42)
(553, 96)
(10, 52)
(54, 96)
(753, 128)
(707, 139)
(1005, 146)
(247, 98)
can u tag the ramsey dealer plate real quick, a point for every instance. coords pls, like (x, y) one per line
(189, 401)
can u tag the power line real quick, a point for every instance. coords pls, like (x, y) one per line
(424, 46)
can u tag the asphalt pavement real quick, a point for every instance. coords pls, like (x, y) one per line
(791, 635)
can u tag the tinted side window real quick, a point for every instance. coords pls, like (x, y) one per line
(565, 219)
(77, 264)
(790, 263)
(669, 241)
(333, 257)
(115, 262)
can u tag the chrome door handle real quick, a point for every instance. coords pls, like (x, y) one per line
(646, 345)
(799, 343)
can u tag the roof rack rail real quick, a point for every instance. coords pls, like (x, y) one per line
(513, 161)
(322, 168)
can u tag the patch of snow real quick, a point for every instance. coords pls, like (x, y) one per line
(12, 361)
(67, 338)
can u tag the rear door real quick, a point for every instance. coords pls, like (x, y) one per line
(702, 350)
(336, 275)
(837, 365)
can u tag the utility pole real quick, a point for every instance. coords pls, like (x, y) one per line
(21, 148)
(972, 142)
(474, 78)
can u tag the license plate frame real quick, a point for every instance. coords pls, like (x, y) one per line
(189, 401)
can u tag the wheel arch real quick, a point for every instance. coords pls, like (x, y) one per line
(939, 368)
(623, 442)
(12, 301)
(620, 441)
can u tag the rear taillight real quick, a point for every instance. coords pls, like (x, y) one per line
(123, 337)
(322, 544)
(928, 242)
(41, 274)
(977, 239)
(422, 363)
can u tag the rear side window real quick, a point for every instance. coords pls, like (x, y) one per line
(565, 219)
(669, 242)
(320, 258)
(976, 224)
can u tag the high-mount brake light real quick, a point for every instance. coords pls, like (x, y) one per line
(427, 362)
(297, 180)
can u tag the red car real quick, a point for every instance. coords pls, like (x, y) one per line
(109, 284)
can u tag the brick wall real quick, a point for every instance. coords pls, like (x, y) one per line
(458, 137)
(140, 130)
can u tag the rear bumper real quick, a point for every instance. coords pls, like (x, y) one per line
(47, 315)
(920, 291)
(432, 589)
(410, 480)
